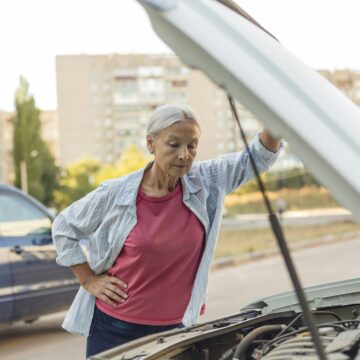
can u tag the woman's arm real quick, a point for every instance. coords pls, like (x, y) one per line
(232, 170)
(104, 287)
(77, 222)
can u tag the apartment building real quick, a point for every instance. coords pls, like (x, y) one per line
(346, 80)
(104, 103)
(6, 145)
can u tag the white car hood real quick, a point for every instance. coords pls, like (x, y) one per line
(293, 101)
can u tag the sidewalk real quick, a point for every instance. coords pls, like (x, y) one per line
(300, 217)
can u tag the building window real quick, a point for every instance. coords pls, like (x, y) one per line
(147, 71)
(108, 122)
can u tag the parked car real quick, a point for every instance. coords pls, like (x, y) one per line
(31, 283)
(323, 129)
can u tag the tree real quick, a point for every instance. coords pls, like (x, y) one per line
(76, 181)
(131, 160)
(83, 176)
(30, 150)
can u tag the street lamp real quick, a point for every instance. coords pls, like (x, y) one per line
(23, 171)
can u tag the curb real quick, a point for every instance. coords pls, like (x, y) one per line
(225, 262)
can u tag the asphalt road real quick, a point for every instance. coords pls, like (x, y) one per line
(229, 290)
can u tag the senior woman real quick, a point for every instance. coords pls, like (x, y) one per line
(152, 234)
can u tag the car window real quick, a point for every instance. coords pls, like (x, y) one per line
(18, 217)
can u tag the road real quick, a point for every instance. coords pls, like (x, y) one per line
(229, 289)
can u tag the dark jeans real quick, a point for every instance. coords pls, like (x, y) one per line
(107, 332)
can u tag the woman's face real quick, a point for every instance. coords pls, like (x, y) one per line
(175, 147)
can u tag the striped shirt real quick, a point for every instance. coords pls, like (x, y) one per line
(107, 215)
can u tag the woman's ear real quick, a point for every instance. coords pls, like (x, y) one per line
(150, 143)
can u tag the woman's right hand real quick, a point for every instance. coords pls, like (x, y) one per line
(107, 288)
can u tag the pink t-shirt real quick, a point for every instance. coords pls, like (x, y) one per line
(159, 261)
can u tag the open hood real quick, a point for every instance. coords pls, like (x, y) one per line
(319, 297)
(293, 101)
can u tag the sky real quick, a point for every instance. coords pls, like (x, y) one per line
(322, 33)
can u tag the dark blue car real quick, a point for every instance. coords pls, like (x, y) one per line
(31, 283)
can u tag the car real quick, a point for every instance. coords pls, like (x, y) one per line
(323, 129)
(31, 283)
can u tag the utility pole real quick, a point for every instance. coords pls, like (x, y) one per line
(23, 176)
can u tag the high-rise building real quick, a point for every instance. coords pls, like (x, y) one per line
(348, 81)
(104, 103)
(6, 146)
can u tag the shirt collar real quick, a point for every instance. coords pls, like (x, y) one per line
(128, 190)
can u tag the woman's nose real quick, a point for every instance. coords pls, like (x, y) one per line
(184, 154)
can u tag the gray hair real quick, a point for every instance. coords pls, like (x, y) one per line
(168, 114)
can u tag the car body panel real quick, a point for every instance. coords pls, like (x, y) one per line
(6, 291)
(293, 101)
(32, 284)
(340, 293)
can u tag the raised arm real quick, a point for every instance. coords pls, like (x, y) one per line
(232, 170)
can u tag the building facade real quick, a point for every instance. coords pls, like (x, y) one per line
(6, 145)
(104, 103)
(347, 81)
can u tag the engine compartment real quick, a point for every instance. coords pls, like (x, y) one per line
(279, 337)
(271, 328)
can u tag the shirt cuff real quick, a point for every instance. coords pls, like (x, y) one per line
(263, 151)
(71, 257)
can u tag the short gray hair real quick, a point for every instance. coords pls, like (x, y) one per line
(168, 114)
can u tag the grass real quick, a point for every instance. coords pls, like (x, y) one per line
(308, 197)
(238, 242)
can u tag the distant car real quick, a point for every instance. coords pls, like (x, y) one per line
(31, 283)
(323, 129)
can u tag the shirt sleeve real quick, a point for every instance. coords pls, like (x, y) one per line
(232, 170)
(77, 222)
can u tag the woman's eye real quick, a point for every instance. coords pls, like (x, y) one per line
(192, 146)
(173, 145)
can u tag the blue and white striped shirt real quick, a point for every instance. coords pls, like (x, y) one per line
(106, 216)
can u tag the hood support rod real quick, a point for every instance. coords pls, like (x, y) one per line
(277, 230)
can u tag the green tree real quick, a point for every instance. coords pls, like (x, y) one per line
(84, 175)
(30, 150)
(131, 160)
(76, 181)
